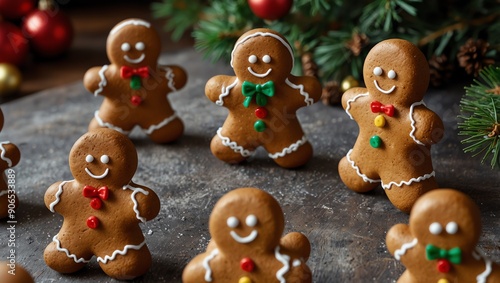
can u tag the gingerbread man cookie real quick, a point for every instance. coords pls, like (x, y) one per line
(134, 87)
(396, 129)
(439, 244)
(262, 100)
(9, 157)
(246, 225)
(102, 209)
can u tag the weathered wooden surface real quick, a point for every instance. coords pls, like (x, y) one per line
(347, 230)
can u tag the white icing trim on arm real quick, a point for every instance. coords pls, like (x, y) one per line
(103, 81)
(136, 204)
(413, 128)
(58, 196)
(358, 171)
(481, 278)
(418, 179)
(160, 125)
(309, 101)
(66, 251)
(401, 251)
(206, 265)
(169, 75)
(225, 92)
(108, 125)
(233, 145)
(4, 151)
(351, 101)
(129, 22)
(121, 252)
(284, 259)
(287, 150)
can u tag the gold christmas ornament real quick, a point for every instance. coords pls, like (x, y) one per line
(348, 83)
(10, 79)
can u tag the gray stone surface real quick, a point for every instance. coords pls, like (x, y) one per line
(347, 230)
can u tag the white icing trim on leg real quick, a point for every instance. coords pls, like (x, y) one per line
(108, 125)
(309, 101)
(58, 195)
(4, 151)
(351, 101)
(206, 265)
(136, 204)
(418, 179)
(170, 77)
(413, 128)
(121, 252)
(401, 251)
(353, 165)
(483, 277)
(233, 145)
(68, 254)
(160, 125)
(225, 92)
(103, 81)
(287, 150)
(285, 260)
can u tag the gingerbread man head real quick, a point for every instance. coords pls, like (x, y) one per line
(103, 156)
(133, 43)
(261, 55)
(395, 70)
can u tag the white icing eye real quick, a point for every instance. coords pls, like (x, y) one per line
(377, 71)
(452, 228)
(125, 47)
(266, 59)
(391, 74)
(251, 220)
(105, 159)
(252, 59)
(435, 228)
(233, 222)
(140, 46)
(89, 158)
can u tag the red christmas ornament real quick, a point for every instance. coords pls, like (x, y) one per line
(13, 45)
(49, 30)
(270, 9)
(15, 9)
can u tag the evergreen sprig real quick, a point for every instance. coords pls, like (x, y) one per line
(480, 111)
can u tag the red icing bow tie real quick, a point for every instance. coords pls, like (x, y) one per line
(97, 195)
(127, 72)
(378, 107)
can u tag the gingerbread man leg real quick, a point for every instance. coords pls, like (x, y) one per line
(102, 120)
(289, 149)
(403, 197)
(127, 263)
(62, 260)
(167, 130)
(353, 179)
(229, 149)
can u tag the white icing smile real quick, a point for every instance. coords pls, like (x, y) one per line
(383, 90)
(244, 240)
(134, 61)
(97, 176)
(257, 74)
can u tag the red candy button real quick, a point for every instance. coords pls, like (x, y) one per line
(261, 112)
(93, 222)
(136, 100)
(247, 264)
(96, 203)
(443, 266)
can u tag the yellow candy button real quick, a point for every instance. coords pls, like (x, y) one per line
(245, 280)
(379, 121)
(443, 280)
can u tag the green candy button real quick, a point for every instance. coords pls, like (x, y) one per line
(259, 126)
(135, 82)
(375, 141)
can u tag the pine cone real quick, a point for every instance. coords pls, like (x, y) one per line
(356, 44)
(441, 70)
(331, 94)
(472, 56)
(309, 67)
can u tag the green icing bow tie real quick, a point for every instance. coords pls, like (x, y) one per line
(260, 91)
(454, 255)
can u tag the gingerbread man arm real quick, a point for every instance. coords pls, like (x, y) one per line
(399, 240)
(146, 202)
(429, 127)
(52, 196)
(296, 244)
(219, 87)
(176, 77)
(93, 79)
(308, 87)
(349, 98)
(9, 155)
(195, 272)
